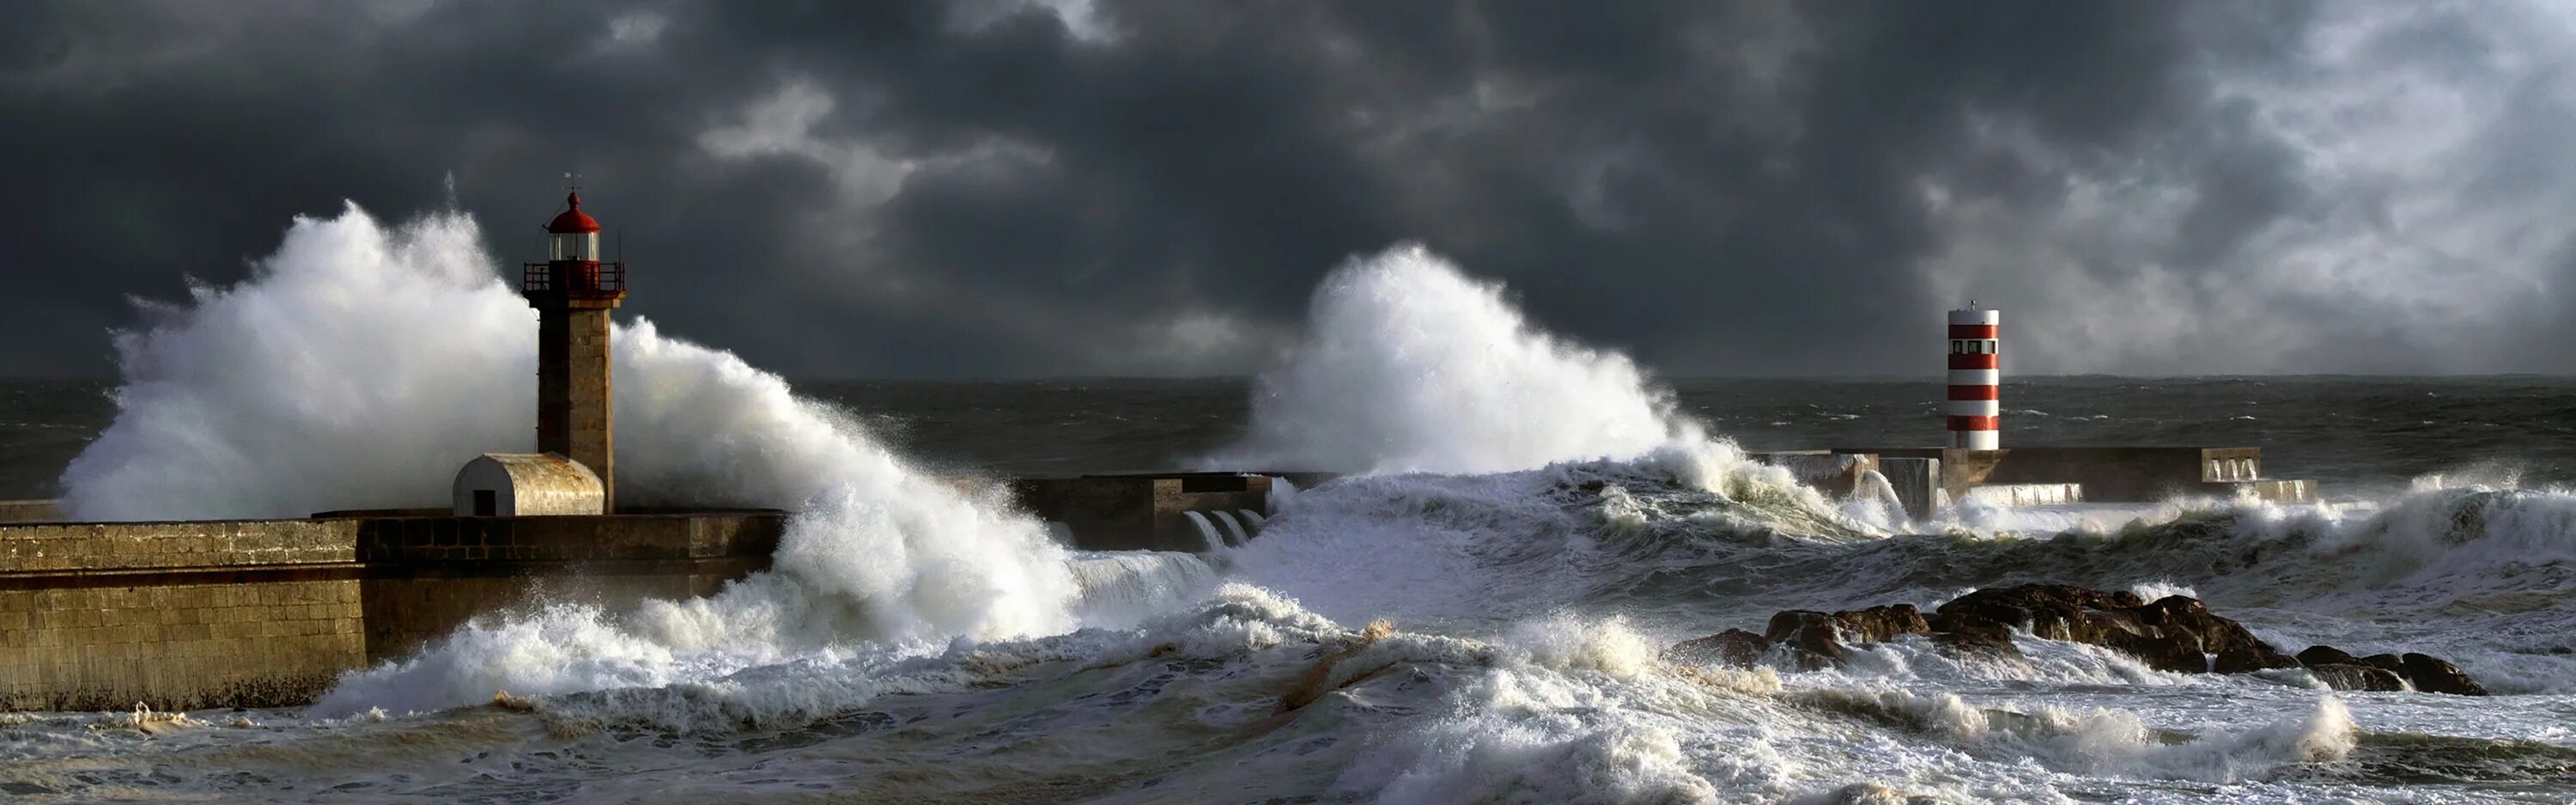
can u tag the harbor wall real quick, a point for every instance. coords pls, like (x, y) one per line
(268, 613)
(264, 613)
(2109, 474)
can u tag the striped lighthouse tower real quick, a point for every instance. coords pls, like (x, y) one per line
(1976, 377)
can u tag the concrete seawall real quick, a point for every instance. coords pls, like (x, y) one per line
(268, 613)
(264, 613)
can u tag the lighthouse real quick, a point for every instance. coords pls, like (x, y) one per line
(1976, 378)
(573, 291)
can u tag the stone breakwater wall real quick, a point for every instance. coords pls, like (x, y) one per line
(267, 613)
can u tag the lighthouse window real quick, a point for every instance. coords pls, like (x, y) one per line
(575, 246)
(1958, 347)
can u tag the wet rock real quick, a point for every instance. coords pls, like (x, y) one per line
(2386, 662)
(1971, 636)
(2046, 610)
(2435, 675)
(2326, 655)
(2238, 650)
(1880, 624)
(2354, 676)
(1735, 647)
(2163, 637)
(2164, 648)
(2174, 633)
(2248, 658)
(1812, 638)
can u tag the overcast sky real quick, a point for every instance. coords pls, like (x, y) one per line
(1001, 188)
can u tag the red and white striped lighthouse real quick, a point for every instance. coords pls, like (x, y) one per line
(1976, 378)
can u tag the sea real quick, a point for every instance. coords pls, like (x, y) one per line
(1475, 611)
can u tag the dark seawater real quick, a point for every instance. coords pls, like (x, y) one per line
(1525, 613)
(2362, 435)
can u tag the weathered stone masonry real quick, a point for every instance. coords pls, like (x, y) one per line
(184, 615)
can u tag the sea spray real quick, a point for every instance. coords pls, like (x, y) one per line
(1409, 365)
(360, 365)
(1469, 425)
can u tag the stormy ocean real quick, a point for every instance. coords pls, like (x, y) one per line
(1475, 613)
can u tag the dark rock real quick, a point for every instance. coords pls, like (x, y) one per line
(1880, 624)
(2237, 649)
(2326, 655)
(2386, 662)
(1972, 636)
(2353, 676)
(2174, 633)
(1735, 647)
(2435, 675)
(2164, 648)
(2166, 637)
(2254, 657)
(1812, 637)
(2046, 610)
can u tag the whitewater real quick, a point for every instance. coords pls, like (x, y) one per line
(1475, 613)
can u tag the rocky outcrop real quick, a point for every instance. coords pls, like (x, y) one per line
(2432, 674)
(1813, 639)
(2355, 676)
(1970, 636)
(1734, 647)
(2326, 655)
(1880, 624)
(2175, 633)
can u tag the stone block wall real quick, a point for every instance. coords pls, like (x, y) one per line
(209, 544)
(181, 615)
(178, 646)
(403, 615)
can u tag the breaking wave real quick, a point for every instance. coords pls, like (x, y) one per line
(1409, 365)
(360, 365)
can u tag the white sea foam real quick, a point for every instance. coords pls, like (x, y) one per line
(1409, 365)
(2113, 742)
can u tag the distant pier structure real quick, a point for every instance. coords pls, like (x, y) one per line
(573, 291)
(1973, 465)
(1975, 407)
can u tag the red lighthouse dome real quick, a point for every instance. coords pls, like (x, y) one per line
(573, 220)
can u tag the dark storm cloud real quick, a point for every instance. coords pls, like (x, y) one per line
(995, 188)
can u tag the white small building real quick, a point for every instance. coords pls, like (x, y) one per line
(525, 484)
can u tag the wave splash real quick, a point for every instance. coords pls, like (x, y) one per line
(1409, 365)
(360, 365)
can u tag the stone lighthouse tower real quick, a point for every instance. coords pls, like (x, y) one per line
(573, 291)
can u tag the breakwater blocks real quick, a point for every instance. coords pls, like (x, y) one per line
(265, 613)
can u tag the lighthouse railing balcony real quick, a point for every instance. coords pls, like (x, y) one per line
(580, 278)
